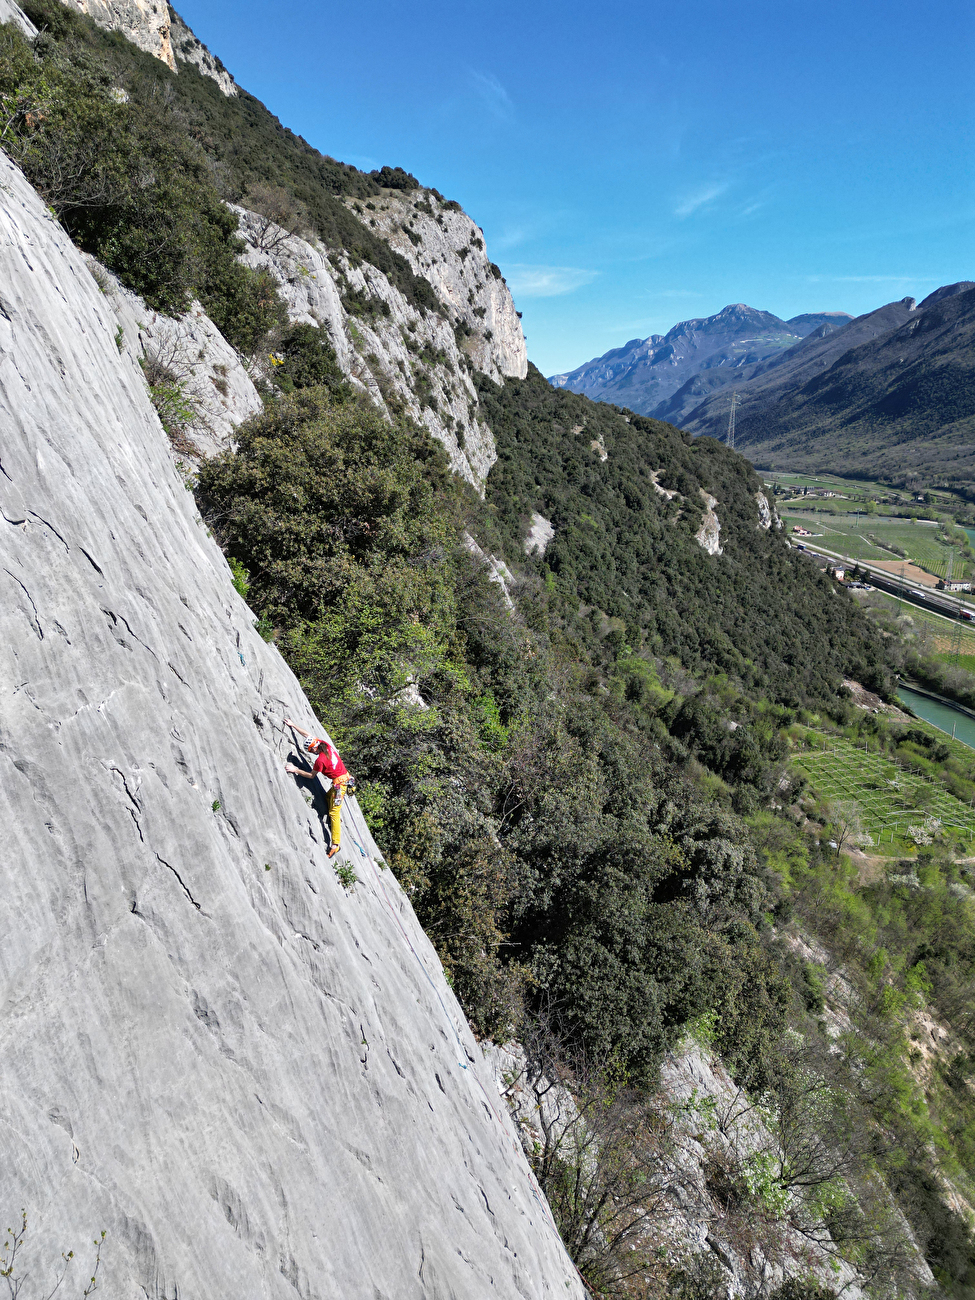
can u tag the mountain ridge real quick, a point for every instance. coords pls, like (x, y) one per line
(562, 750)
(646, 375)
(853, 398)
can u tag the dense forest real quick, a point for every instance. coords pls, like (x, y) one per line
(581, 777)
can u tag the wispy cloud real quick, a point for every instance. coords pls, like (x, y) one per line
(493, 95)
(545, 281)
(510, 237)
(360, 160)
(701, 198)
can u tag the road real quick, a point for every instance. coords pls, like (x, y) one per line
(885, 581)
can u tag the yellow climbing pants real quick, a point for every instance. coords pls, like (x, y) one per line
(335, 797)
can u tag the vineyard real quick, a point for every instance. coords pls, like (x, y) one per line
(882, 801)
(873, 538)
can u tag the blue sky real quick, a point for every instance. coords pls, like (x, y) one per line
(637, 164)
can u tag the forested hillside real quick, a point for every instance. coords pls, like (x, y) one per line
(889, 395)
(570, 704)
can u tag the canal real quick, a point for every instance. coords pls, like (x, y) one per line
(941, 715)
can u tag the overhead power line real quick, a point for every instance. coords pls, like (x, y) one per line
(730, 440)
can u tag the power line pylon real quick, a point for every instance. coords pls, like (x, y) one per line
(730, 440)
(955, 649)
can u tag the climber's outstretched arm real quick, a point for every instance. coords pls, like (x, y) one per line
(294, 727)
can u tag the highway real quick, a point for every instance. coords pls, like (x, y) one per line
(936, 602)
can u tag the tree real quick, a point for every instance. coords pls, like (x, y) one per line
(280, 215)
(603, 1153)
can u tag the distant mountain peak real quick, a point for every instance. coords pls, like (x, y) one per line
(644, 374)
(888, 393)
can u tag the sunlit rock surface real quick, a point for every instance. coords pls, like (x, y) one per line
(409, 360)
(257, 1082)
(187, 352)
(157, 28)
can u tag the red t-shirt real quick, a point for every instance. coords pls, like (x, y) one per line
(328, 761)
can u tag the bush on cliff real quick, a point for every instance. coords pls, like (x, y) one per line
(129, 187)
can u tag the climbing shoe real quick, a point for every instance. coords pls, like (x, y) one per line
(333, 850)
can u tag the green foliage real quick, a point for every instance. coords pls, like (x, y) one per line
(367, 306)
(124, 178)
(538, 833)
(395, 178)
(346, 876)
(176, 411)
(799, 1288)
(305, 358)
(240, 577)
(238, 142)
(624, 549)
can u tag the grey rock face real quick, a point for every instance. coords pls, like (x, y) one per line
(708, 536)
(157, 29)
(188, 48)
(764, 511)
(384, 355)
(192, 349)
(257, 1082)
(447, 248)
(11, 13)
(144, 22)
(540, 533)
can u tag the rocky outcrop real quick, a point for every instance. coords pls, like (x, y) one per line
(497, 570)
(723, 1130)
(410, 360)
(764, 511)
(540, 533)
(156, 28)
(188, 48)
(255, 1079)
(12, 13)
(188, 353)
(145, 23)
(442, 243)
(708, 535)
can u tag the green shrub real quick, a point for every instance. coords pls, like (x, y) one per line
(129, 186)
(395, 178)
(304, 358)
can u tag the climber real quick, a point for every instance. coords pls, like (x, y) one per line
(329, 764)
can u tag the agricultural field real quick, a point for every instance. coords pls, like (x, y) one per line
(884, 805)
(942, 499)
(874, 537)
(941, 636)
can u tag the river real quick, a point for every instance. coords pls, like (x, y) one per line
(941, 715)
